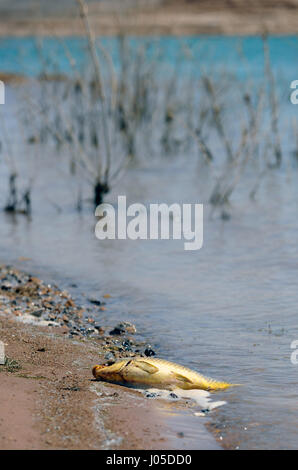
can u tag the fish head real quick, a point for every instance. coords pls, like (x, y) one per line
(110, 373)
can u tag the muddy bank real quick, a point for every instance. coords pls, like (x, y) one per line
(48, 397)
(170, 17)
(32, 301)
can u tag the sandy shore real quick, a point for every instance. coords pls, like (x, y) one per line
(230, 17)
(48, 396)
(52, 402)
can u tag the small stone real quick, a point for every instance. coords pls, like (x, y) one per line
(6, 286)
(117, 331)
(149, 352)
(73, 333)
(100, 329)
(110, 358)
(64, 294)
(123, 327)
(37, 313)
(127, 345)
(95, 301)
(129, 327)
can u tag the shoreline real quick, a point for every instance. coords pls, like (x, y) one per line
(50, 403)
(48, 397)
(172, 18)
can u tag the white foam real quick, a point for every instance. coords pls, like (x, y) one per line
(201, 397)
(32, 320)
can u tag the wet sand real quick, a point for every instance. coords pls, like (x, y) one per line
(50, 402)
(174, 17)
(48, 397)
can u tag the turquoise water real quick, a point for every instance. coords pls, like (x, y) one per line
(241, 55)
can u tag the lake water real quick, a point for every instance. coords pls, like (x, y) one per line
(228, 310)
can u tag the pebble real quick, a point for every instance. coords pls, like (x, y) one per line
(149, 352)
(127, 345)
(123, 327)
(95, 301)
(110, 358)
(33, 301)
(117, 331)
(37, 313)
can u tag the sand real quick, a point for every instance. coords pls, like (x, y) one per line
(49, 398)
(171, 17)
(52, 401)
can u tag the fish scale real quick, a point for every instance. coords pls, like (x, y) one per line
(158, 372)
(193, 375)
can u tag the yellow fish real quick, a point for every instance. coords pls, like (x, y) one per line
(155, 372)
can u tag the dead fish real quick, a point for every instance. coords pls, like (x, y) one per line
(155, 372)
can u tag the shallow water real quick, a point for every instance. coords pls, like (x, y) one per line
(228, 310)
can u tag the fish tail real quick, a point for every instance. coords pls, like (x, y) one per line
(214, 385)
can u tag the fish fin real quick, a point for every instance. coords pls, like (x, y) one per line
(146, 366)
(214, 385)
(182, 378)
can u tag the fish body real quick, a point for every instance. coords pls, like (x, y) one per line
(156, 372)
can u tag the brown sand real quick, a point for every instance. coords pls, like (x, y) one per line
(174, 17)
(48, 396)
(52, 402)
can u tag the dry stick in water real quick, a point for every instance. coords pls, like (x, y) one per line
(254, 120)
(8, 155)
(81, 95)
(227, 182)
(216, 111)
(273, 103)
(84, 159)
(197, 135)
(91, 41)
(12, 201)
(295, 132)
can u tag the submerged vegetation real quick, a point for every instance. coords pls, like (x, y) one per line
(127, 106)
